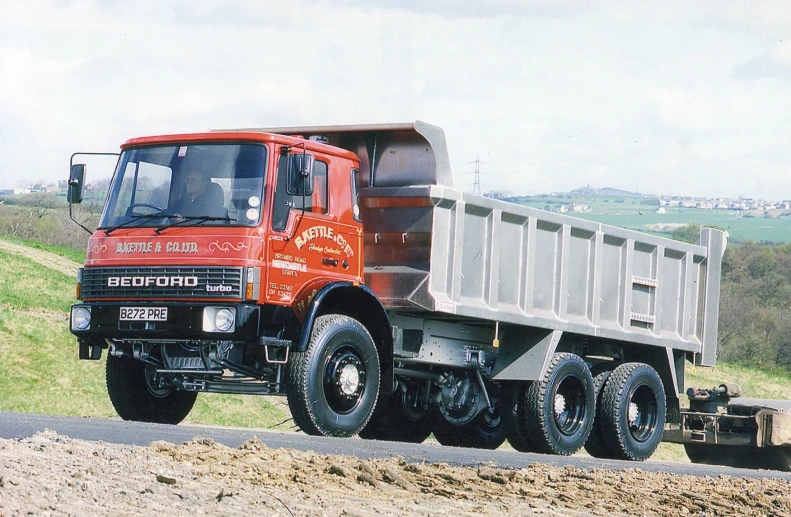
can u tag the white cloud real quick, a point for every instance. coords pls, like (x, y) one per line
(550, 95)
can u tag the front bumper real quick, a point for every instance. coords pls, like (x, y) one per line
(184, 322)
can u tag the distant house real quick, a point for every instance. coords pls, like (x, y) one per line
(561, 209)
(580, 207)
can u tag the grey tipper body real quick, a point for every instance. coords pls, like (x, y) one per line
(453, 264)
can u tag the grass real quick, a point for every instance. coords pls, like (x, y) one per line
(27, 285)
(39, 368)
(69, 253)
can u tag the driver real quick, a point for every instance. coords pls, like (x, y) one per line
(202, 196)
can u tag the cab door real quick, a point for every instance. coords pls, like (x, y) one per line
(303, 250)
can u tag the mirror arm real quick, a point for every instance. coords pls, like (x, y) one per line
(77, 222)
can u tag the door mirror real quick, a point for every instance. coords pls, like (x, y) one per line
(76, 183)
(300, 175)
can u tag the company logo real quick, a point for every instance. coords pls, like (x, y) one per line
(218, 288)
(147, 281)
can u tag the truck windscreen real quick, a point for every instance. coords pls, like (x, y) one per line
(203, 184)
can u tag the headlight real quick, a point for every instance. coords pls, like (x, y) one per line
(81, 318)
(218, 319)
(223, 320)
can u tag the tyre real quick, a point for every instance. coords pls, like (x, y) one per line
(515, 426)
(137, 395)
(596, 446)
(397, 418)
(633, 412)
(487, 430)
(559, 408)
(447, 434)
(333, 385)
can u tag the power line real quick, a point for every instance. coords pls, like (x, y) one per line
(476, 186)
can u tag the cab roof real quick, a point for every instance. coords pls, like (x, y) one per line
(239, 136)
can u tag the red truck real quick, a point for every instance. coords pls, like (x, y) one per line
(338, 266)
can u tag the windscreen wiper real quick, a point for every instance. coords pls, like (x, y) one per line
(137, 218)
(191, 218)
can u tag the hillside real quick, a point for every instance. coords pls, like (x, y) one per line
(38, 359)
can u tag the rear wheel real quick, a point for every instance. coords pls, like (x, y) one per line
(333, 385)
(516, 427)
(400, 417)
(138, 394)
(485, 431)
(559, 408)
(596, 446)
(633, 412)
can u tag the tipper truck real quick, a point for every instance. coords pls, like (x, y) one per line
(338, 266)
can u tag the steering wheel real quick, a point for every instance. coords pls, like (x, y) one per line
(135, 205)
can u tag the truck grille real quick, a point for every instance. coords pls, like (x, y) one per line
(162, 282)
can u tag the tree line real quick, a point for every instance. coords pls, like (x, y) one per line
(755, 303)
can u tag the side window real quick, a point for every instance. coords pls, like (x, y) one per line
(316, 203)
(355, 196)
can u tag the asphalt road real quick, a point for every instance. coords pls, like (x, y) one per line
(22, 425)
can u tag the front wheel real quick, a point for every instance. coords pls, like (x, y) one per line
(333, 385)
(139, 395)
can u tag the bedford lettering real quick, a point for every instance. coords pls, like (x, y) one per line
(147, 281)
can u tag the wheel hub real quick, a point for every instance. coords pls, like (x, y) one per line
(634, 413)
(349, 379)
(642, 413)
(344, 380)
(569, 405)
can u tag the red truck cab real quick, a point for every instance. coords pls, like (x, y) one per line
(201, 275)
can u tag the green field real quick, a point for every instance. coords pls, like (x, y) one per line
(639, 213)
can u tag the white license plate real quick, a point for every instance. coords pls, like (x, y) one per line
(143, 314)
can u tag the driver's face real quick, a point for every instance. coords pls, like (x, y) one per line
(195, 183)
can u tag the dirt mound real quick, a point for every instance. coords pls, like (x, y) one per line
(55, 475)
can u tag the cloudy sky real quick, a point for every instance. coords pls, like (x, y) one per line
(672, 97)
